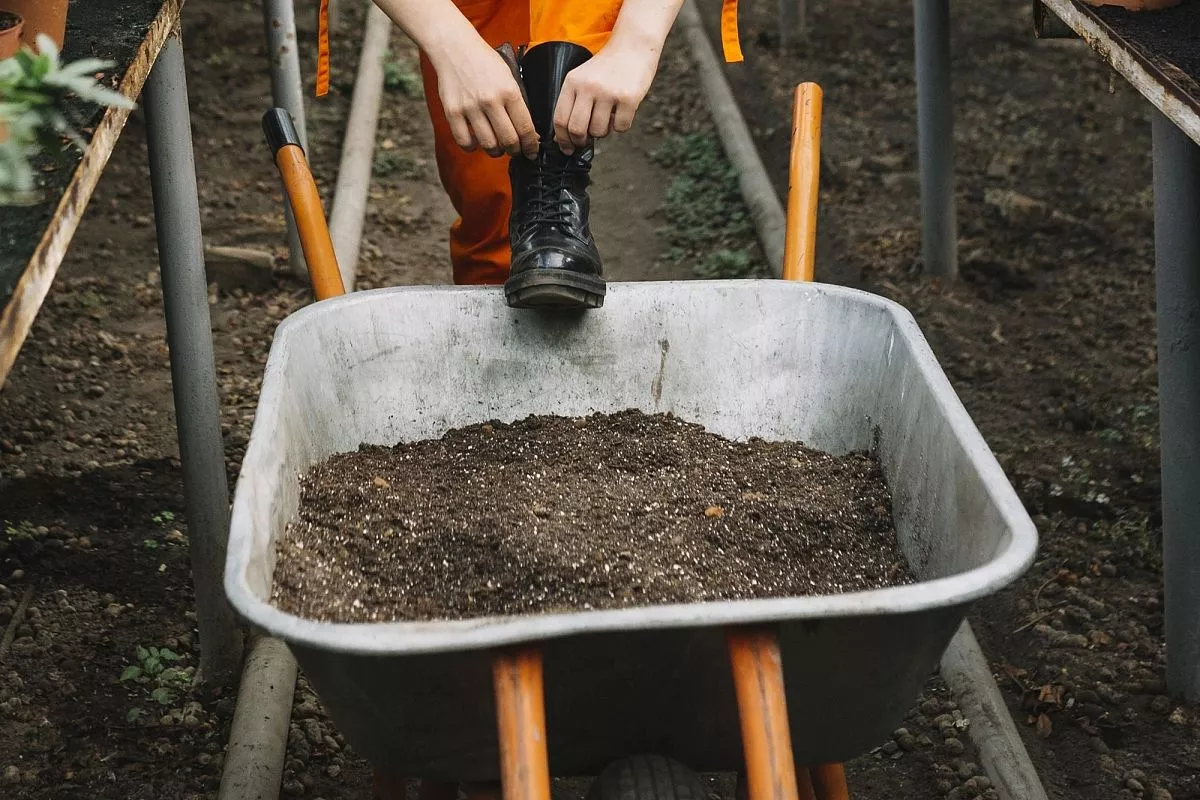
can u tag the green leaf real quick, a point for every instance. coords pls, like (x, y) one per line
(167, 655)
(142, 653)
(130, 673)
(171, 675)
(152, 665)
(132, 714)
(162, 695)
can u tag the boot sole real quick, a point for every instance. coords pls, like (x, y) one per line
(554, 288)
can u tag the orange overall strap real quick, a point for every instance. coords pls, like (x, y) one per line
(730, 42)
(323, 49)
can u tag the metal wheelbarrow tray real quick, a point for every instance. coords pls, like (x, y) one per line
(834, 368)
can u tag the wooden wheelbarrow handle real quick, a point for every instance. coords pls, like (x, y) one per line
(804, 173)
(305, 201)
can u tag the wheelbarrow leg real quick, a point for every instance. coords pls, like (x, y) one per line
(762, 709)
(829, 781)
(521, 720)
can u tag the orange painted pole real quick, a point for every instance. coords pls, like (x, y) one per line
(762, 709)
(804, 173)
(521, 720)
(306, 206)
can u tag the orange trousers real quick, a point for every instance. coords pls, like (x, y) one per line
(477, 183)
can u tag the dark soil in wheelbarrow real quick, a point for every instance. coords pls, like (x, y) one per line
(555, 514)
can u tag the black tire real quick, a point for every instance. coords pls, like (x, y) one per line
(647, 778)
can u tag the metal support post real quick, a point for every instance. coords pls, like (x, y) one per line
(287, 91)
(193, 374)
(935, 134)
(1177, 261)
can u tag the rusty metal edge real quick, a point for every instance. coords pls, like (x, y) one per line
(18, 314)
(1179, 103)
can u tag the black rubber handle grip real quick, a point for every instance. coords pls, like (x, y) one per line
(279, 129)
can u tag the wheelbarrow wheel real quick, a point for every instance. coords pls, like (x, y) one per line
(647, 777)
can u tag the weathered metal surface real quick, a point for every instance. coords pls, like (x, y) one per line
(835, 368)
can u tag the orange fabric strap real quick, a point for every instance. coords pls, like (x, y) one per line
(730, 42)
(323, 50)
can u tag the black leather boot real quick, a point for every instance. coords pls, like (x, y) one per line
(555, 263)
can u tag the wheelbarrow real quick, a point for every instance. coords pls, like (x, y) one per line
(780, 691)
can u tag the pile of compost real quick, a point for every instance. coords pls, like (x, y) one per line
(555, 514)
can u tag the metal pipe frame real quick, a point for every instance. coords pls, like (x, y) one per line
(935, 135)
(1177, 262)
(193, 374)
(287, 91)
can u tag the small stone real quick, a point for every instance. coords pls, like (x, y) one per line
(382, 483)
(312, 731)
(983, 782)
(944, 786)
(305, 709)
(1098, 745)
(17, 575)
(890, 747)
(955, 747)
(1135, 775)
(1160, 704)
(1135, 786)
(114, 609)
(1159, 793)
(1178, 717)
(191, 721)
(12, 775)
(333, 770)
(967, 770)
(331, 744)
(84, 542)
(907, 742)
(1108, 570)
(293, 788)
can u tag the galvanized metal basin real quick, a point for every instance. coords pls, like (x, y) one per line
(835, 368)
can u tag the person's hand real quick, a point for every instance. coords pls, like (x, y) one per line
(483, 102)
(602, 95)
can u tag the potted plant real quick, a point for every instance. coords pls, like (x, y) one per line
(11, 25)
(48, 17)
(34, 115)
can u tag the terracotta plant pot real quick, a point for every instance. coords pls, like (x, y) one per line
(41, 16)
(1136, 5)
(10, 34)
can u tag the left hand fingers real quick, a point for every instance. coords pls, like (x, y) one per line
(602, 113)
(623, 117)
(581, 119)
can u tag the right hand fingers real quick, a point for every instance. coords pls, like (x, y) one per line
(461, 131)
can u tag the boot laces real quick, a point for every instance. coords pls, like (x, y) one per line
(546, 189)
